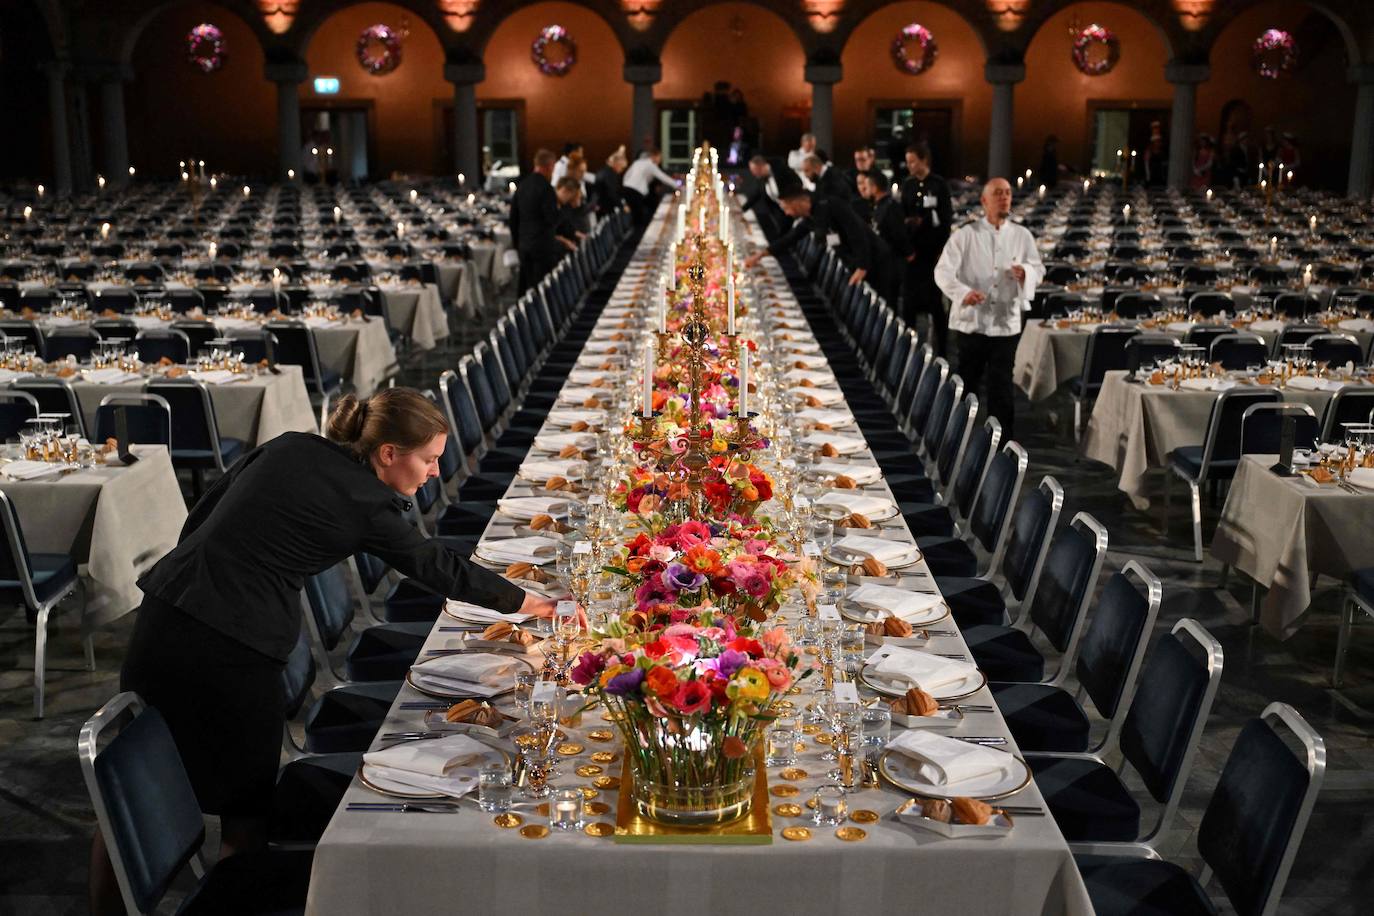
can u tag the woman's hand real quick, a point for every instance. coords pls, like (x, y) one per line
(539, 606)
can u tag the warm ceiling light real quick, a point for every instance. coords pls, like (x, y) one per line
(640, 13)
(1008, 14)
(1193, 14)
(458, 14)
(278, 14)
(824, 15)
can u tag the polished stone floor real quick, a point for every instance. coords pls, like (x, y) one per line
(46, 820)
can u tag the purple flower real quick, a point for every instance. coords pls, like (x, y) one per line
(729, 662)
(625, 684)
(588, 667)
(679, 577)
(653, 591)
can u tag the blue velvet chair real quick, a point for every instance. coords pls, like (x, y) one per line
(1359, 599)
(1106, 352)
(153, 828)
(379, 653)
(17, 408)
(343, 718)
(1046, 717)
(1087, 796)
(988, 523)
(1247, 839)
(955, 504)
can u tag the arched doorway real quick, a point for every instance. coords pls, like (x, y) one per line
(747, 48)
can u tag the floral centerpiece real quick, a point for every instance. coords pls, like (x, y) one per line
(691, 693)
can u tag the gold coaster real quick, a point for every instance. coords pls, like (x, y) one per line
(599, 828)
(595, 808)
(601, 734)
(607, 782)
(864, 816)
(799, 747)
(793, 773)
(787, 809)
(534, 831)
(811, 729)
(508, 820)
(796, 833)
(851, 834)
(571, 749)
(603, 756)
(786, 704)
(824, 739)
(813, 803)
(588, 769)
(785, 791)
(588, 791)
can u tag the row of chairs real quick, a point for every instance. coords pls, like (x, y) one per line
(1047, 579)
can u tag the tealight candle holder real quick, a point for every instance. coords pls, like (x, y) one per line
(565, 810)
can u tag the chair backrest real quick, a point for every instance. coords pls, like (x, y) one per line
(1348, 405)
(950, 393)
(903, 352)
(462, 412)
(991, 518)
(1029, 539)
(194, 426)
(295, 346)
(298, 675)
(1068, 579)
(371, 569)
(1146, 349)
(1222, 442)
(451, 458)
(16, 409)
(330, 603)
(54, 395)
(957, 433)
(1162, 728)
(1336, 349)
(149, 418)
(1296, 305)
(1106, 352)
(1137, 305)
(25, 330)
(1250, 832)
(978, 455)
(198, 333)
(496, 378)
(1210, 304)
(480, 386)
(1114, 644)
(15, 565)
(152, 344)
(1238, 351)
(1261, 427)
(144, 803)
(186, 300)
(78, 342)
(1203, 334)
(917, 363)
(1297, 334)
(924, 397)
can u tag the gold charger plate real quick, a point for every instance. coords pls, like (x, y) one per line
(754, 829)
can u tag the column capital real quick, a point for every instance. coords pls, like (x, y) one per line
(824, 74)
(642, 74)
(1178, 72)
(466, 73)
(1002, 73)
(1360, 73)
(285, 71)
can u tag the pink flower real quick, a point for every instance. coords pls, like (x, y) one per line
(690, 534)
(779, 678)
(661, 552)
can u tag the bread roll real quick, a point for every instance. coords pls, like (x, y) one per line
(896, 626)
(971, 811)
(937, 809)
(875, 567)
(845, 482)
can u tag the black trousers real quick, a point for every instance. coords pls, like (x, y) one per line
(642, 206)
(920, 296)
(535, 266)
(986, 362)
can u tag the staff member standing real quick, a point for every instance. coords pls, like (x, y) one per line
(884, 215)
(534, 221)
(222, 611)
(989, 270)
(638, 185)
(929, 219)
(832, 220)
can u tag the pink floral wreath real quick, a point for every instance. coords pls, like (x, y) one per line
(549, 35)
(205, 47)
(1096, 35)
(1274, 53)
(923, 37)
(388, 58)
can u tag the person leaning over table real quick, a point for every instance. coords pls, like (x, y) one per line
(832, 220)
(989, 270)
(222, 611)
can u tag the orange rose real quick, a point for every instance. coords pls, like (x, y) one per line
(661, 682)
(635, 565)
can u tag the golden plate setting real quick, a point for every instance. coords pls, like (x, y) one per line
(885, 770)
(889, 691)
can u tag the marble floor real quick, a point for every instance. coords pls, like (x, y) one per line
(46, 819)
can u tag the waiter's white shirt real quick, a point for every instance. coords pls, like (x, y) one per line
(794, 162)
(979, 256)
(560, 169)
(642, 173)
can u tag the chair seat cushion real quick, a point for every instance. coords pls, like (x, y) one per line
(1142, 887)
(1042, 718)
(53, 573)
(973, 601)
(270, 882)
(465, 519)
(308, 791)
(385, 652)
(409, 601)
(230, 450)
(1087, 799)
(1005, 653)
(347, 718)
(485, 487)
(1188, 460)
(948, 556)
(1363, 580)
(928, 519)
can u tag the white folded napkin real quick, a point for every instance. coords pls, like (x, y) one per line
(1207, 384)
(909, 668)
(555, 442)
(822, 395)
(218, 377)
(1362, 478)
(474, 613)
(28, 470)
(606, 346)
(433, 756)
(573, 394)
(1269, 324)
(948, 761)
(531, 549)
(1357, 324)
(854, 501)
(828, 417)
(845, 445)
(541, 469)
(455, 785)
(567, 417)
(859, 473)
(809, 375)
(1308, 383)
(111, 376)
(9, 375)
(800, 346)
(527, 507)
(877, 548)
(585, 376)
(810, 362)
(896, 601)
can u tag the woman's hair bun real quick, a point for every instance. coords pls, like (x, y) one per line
(402, 417)
(346, 420)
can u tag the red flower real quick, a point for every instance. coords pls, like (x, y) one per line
(656, 649)
(692, 697)
(733, 748)
(752, 647)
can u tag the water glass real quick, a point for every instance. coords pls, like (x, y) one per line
(852, 647)
(565, 810)
(524, 687)
(831, 807)
(782, 745)
(494, 787)
(877, 727)
(823, 533)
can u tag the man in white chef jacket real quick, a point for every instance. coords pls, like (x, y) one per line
(989, 271)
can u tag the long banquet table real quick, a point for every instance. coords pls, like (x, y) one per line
(369, 862)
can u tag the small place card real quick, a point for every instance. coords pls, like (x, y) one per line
(544, 692)
(811, 549)
(597, 500)
(582, 547)
(846, 692)
(827, 612)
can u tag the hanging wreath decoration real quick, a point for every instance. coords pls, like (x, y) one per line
(1096, 50)
(379, 49)
(914, 66)
(554, 36)
(1274, 53)
(205, 47)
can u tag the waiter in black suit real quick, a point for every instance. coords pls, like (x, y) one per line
(222, 611)
(865, 159)
(827, 180)
(534, 222)
(929, 213)
(888, 223)
(833, 221)
(767, 182)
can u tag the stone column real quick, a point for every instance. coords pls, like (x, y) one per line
(114, 127)
(823, 78)
(1185, 78)
(83, 168)
(1003, 78)
(61, 137)
(288, 75)
(643, 131)
(1361, 183)
(467, 152)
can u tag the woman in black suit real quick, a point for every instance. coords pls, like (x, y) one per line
(222, 611)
